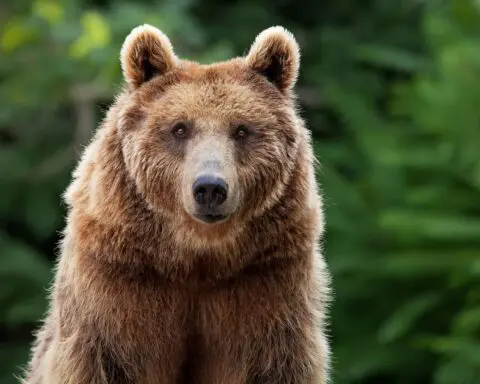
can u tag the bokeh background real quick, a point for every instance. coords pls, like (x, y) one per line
(391, 92)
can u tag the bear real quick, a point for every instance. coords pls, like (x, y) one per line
(192, 246)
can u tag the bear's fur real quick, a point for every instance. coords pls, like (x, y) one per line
(146, 293)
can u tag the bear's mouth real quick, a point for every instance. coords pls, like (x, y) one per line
(211, 218)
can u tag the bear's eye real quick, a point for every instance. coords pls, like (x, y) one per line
(180, 130)
(241, 132)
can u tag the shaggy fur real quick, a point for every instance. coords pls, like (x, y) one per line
(145, 293)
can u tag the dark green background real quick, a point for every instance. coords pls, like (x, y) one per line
(391, 91)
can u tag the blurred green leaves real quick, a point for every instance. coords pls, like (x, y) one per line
(24, 276)
(15, 34)
(417, 142)
(49, 10)
(95, 35)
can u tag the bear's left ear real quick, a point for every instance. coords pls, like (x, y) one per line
(275, 54)
(146, 53)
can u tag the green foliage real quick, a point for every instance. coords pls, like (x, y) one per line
(391, 92)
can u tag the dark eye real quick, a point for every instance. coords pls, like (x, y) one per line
(180, 130)
(241, 132)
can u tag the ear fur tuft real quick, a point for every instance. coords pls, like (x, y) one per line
(276, 55)
(146, 52)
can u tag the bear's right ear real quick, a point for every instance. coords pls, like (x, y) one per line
(146, 53)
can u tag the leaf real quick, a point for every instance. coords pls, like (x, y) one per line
(16, 34)
(49, 10)
(41, 212)
(19, 260)
(456, 346)
(468, 321)
(430, 225)
(404, 319)
(26, 311)
(457, 371)
(391, 57)
(96, 34)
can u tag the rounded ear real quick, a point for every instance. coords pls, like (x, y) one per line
(146, 53)
(276, 55)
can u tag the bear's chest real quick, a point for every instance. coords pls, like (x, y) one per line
(184, 330)
(152, 310)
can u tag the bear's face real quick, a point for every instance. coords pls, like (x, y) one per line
(214, 142)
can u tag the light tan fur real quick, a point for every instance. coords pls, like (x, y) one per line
(145, 292)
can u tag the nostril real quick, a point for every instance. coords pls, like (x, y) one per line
(200, 195)
(219, 195)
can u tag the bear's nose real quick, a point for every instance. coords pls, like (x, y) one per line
(210, 190)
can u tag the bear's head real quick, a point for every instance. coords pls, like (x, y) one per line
(211, 144)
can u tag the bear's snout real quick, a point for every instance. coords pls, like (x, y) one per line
(209, 193)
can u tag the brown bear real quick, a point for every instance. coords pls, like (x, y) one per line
(191, 250)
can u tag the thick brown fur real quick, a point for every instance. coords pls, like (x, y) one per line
(144, 293)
